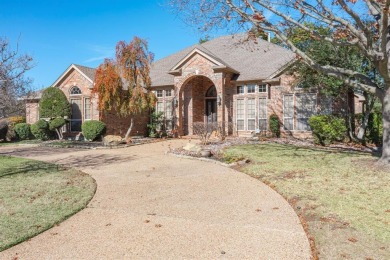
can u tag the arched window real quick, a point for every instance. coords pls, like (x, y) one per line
(211, 92)
(75, 91)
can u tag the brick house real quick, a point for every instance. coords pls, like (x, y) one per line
(228, 80)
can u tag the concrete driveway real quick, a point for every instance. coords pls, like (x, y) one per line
(149, 205)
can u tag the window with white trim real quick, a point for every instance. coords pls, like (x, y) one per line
(305, 107)
(168, 92)
(160, 107)
(251, 113)
(87, 109)
(251, 89)
(168, 115)
(159, 93)
(240, 114)
(75, 91)
(263, 88)
(288, 112)
(262, 114)
(241, 90)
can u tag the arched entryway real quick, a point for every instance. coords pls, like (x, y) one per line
(198, 97)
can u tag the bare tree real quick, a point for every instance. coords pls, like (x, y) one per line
(360, 23)
(13, 82)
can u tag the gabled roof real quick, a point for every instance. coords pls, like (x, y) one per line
(88, 73)
(252, 61)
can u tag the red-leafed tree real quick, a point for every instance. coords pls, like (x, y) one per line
(123, 84)
(361, 24)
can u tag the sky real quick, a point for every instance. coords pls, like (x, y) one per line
(57, 33)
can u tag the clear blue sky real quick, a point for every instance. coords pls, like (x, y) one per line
(57, 33)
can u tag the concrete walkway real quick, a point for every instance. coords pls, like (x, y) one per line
(149, 205)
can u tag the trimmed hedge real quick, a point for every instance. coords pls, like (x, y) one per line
(56, 123)
(327, 129)
(40, 130)
(274, 125)
(23, 131)
(93, 129)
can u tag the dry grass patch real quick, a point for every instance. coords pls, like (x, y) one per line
(34, 196)
(342, 195)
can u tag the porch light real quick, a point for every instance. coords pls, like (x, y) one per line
(219, 100)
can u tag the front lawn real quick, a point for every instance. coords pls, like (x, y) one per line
(34, 196)
(343, 197)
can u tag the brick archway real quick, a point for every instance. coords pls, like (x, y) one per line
(192, 102)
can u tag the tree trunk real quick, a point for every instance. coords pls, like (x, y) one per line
(370, 101)
(129, 129)
(385, 158)
(59, 134)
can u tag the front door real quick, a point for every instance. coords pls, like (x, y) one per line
(76, 119)
(211, 110)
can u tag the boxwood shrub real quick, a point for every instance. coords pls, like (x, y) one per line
(40, 130)
(327, 129)
(93, 129)
(3, 129)
(23, 131)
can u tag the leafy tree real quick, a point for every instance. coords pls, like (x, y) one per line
(13, 82)
(353, 23)
(55, 106)
(325, 53)
(123, 84)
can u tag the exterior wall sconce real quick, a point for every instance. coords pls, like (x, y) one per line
(219, 100)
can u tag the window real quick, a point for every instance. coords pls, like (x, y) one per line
(326, 105)
(263, 88)
(263, 114)
(160, 107)
(87, 108)
(240, 114)
(288, 112)
(251, 114)
(75, 91)
(240, 90)
(159, 93)
(75, 122)
(251, 88)
(168, 115)
(168, 93)
(306, 107)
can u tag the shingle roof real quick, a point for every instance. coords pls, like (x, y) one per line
(34, 95)
(89, 72)
(251, 60)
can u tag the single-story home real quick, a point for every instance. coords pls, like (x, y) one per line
(231, 80)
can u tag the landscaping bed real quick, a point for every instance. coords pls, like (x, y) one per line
(35, 196)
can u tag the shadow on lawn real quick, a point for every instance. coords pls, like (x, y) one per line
(34, 151)
(30, 167)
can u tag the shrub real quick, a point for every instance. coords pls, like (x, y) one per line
(3, 129)
(23, 131)
(40, 130)
(54, 104)
(204, 130)
(327, 129)
(156, 124)
(274, 125)
(374, 131)
(93, 129)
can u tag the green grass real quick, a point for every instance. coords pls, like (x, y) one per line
(343, 196)
(34, 196)
(35, 141)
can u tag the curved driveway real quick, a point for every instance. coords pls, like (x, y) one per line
(149, 205)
